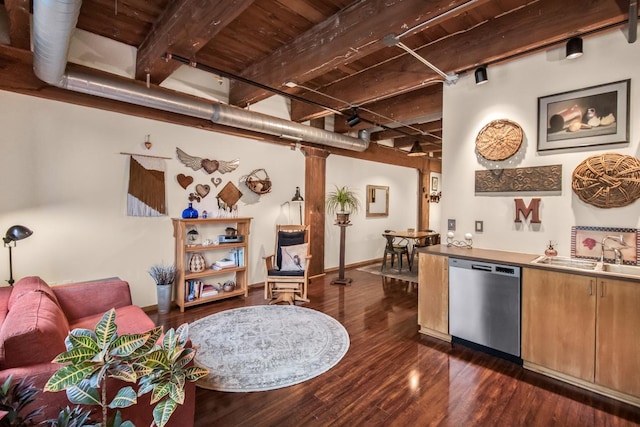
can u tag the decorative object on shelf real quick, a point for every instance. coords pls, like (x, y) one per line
(184, 180)
(467, 243)
(587, 242)
(146, 192)
(229, 195)
(343, 201)
(536, 178)
(209, 166)
(551, 249)
(229, 286)
(13, 234)
(258, 181)
(197, 263)
(216, 181)
(193, 237)
(203, 190)
(163, 275)
(499, 139)
(607, 180)
(564, 119)
(190, 212)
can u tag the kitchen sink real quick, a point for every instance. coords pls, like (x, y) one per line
(559, 261)
(629, 270)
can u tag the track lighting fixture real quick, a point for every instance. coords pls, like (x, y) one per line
(416, 150)
(481, 75)
(574, 48)
(353, 119)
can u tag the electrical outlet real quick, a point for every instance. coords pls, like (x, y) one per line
(479, 226)
(451, 225)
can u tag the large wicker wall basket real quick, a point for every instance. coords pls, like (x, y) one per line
(609, 180)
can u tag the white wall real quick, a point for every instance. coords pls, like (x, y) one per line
(364, 239)
(512, 92)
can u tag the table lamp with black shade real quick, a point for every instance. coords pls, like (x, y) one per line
(14, 233)
(298, 198)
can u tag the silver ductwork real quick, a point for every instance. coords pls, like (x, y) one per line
(53, 25)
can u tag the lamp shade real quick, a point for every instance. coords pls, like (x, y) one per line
(17, 232)
(297, 197)
(574, 48)
(481, 75)
(416, 150)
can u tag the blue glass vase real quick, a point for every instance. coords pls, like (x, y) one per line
(190, 212)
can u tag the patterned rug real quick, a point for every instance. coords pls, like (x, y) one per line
(266, 347)
(405, 274)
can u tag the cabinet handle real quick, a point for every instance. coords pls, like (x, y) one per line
(590, 287)
(602, 290)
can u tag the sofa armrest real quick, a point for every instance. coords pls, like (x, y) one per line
(79, 300)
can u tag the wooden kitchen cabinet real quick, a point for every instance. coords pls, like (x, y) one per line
(559, 321)
(433, 295)
(617, 342)
(583, 330)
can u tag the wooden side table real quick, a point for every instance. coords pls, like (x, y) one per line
(341, 280)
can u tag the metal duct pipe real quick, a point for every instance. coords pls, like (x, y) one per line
(53, 24)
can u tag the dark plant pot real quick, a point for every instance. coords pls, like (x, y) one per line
(342, 218)
(164, 298)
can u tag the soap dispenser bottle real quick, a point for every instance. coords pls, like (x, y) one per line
(551, 250)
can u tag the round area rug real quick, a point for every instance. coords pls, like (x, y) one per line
(266, 347)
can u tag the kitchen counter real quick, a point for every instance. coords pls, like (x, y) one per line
(516, 259)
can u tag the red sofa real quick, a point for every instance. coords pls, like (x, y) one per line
(35, 320)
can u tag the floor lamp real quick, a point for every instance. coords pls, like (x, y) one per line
(297, 198)
(14, 233)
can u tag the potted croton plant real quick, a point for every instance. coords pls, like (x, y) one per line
(342, 201)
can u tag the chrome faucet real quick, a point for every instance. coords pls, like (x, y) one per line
(617, 253)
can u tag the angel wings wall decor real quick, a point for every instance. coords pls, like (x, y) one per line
(209, 166)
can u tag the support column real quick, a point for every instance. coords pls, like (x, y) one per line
(314, 195)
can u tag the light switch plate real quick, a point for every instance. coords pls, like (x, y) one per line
(479, 226)
(451, 225)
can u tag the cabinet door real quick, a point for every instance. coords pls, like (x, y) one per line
(559, 321)
(433, 293)
(617, 343)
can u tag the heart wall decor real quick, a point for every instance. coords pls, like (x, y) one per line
(203, 190)
(216, 181)
(184, 180)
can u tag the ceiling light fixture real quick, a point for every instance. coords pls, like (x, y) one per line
(416, 150)
(481, 75)
(353, 119)
(574, 48)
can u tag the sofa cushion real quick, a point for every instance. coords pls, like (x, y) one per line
(33, 331)
(130, 320)
(30, 284)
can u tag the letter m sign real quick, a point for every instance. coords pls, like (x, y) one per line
(534, 207)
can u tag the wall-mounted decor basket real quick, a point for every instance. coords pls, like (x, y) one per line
(608, 180)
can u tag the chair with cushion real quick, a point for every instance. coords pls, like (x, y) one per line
(395, 247)
(288, 266)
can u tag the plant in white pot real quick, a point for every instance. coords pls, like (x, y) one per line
(164, 275)
(342, 201)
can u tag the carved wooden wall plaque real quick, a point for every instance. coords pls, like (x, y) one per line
(538, 178)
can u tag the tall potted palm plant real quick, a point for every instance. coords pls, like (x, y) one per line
(343, 201)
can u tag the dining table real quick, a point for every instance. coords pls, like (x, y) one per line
(416, 238)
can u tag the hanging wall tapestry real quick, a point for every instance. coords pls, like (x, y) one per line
(146, 195)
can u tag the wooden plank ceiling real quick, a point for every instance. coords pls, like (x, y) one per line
(334, 50)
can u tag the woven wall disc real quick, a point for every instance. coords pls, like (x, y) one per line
(609, 180)
(499, 139)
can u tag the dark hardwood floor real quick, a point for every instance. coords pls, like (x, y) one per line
(394, 376)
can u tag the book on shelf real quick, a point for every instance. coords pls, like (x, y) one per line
(237, 255)
(195, 289)
(224, 263)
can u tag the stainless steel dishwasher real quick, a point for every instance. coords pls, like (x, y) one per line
(484, 304)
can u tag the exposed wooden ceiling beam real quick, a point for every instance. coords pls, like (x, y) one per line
(184, 28)
(434, 127)
(19, 23)
(540, 25)
(354, 32)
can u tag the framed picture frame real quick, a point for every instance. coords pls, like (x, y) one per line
(586, 242)
(597, 115)
(434, 183)
(377, 201)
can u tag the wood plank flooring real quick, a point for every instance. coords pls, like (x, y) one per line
(394, 376)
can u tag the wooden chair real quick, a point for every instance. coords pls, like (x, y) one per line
(288, 269)
(395, 248)
(421, 242)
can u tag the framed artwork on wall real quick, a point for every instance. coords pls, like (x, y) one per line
(597, 115)
(586, 242)
(377, 200)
